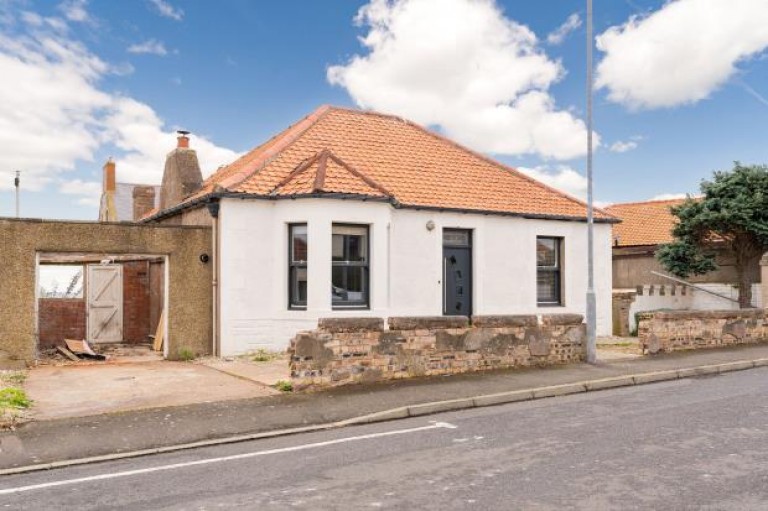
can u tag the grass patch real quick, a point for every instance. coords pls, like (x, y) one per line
(13, 378)
(262, 355)
(186, 355)
(284, 386)
(12, 397)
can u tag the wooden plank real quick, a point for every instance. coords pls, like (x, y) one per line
(159, 334)
(64, 351)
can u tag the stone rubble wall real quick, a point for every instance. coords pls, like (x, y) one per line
(668, 331)
(348, 350)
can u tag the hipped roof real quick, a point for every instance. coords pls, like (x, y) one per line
(351, 153)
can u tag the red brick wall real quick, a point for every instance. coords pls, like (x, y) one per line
(136, 302)
(60, 318)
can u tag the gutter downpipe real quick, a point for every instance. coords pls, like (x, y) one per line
(213, 209)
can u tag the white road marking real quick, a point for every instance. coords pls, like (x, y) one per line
(208, 461)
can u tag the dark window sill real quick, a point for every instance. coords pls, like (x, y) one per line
(550, 305)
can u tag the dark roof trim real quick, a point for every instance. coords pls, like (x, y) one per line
(215, 196)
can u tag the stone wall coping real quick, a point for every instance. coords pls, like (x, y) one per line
(506, 320)
(345, 325)
(127, 223)
(427, 322)
(703, 314)
(562, 319)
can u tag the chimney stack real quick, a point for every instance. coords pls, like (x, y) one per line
(108, 182)
(182, 176)
(143, 201)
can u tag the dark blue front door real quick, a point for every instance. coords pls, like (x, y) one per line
(457, 272)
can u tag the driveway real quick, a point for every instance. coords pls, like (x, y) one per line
(72, 391)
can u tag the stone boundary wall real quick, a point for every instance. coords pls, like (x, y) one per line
(348, 350)
(668, 331)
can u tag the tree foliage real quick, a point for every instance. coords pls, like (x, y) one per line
(731, 215)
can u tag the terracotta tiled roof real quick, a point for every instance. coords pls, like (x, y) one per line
(643, 223)
(377, 155)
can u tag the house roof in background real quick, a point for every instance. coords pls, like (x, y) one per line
(643, 223)
(382, 155)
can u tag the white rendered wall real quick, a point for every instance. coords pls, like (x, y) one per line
(693, 299)
(405, 271)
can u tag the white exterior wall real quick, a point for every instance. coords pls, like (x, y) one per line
(405, 266)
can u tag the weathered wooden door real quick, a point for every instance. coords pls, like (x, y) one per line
(105, 303)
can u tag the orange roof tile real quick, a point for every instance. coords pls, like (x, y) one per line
(644, 223)
(382, 155)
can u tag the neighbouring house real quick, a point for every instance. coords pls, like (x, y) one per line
(125, 202)
(359, 214)
(644, 227)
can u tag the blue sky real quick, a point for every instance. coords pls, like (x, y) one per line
(679, 96)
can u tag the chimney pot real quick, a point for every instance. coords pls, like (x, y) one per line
(182, 139)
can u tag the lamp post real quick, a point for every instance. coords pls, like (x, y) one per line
(16, 183)
(591, 302)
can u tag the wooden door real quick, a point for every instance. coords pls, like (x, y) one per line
(105, 303)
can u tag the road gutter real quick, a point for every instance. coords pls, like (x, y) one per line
(422, 409)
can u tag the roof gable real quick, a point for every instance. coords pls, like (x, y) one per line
(374, 154)
(326, 173)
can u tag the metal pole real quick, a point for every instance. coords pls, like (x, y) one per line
(16, 184)
(591, 302)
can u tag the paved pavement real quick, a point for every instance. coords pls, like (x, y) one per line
(685, 444)
(47, 441)
(81, 390)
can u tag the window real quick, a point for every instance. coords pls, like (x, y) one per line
(349, 271)
(549, 271)
(297, 266)
(60, 281)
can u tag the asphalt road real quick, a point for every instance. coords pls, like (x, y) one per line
(688, 444)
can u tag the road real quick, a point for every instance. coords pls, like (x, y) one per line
(689, 444)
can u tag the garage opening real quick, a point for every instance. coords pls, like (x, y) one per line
(114, 302)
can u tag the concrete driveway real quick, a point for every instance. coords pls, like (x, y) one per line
(73, 391)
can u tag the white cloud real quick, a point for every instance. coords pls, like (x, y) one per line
(569, 25)
(561, 177)
(681, 53)
(166, 9)
(74, 10)
(462, 66)
(150, 46)
(623, 146)
(89, 192)
(62, 117)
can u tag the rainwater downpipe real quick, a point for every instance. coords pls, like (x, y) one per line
(213, 209)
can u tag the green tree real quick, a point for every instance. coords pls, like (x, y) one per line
(731, 215)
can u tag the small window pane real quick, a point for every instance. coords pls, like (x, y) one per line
(337, 247)
(547, 287)
(456, 238)
(299, 243)
(546, 252)
(299, 285)
(348, 284)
